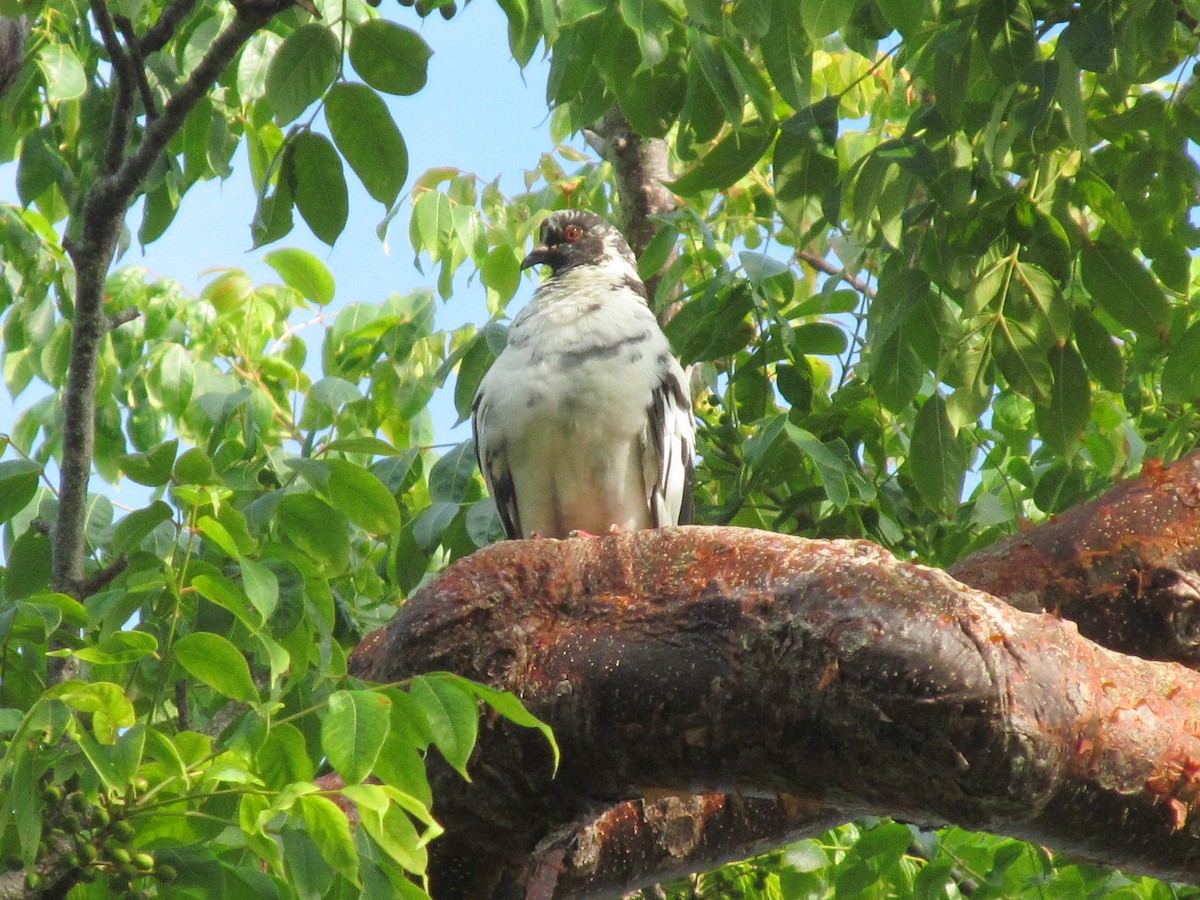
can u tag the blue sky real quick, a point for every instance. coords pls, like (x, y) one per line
(478, 112)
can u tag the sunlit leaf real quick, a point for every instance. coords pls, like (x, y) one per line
(215, 661)
(365, 133)
(301, 70)
(389, 57)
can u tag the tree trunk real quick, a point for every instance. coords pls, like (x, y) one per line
(815, 681)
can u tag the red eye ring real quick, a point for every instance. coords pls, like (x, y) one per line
(572, 233)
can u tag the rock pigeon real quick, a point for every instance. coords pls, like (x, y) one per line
(584, 422)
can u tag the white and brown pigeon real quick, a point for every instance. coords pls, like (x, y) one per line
(584, 423)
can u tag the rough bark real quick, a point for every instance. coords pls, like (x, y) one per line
(641, 166)
(14, 31)
(818, 680)
(1123, 567)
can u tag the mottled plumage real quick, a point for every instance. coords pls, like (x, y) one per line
(585, 421)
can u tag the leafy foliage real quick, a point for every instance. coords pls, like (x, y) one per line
(933, 267)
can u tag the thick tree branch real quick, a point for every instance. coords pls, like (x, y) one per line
(719, 659)
(1124, 567)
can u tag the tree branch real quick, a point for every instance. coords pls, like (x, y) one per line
(640, 167)
(721, 659)
(125, 78)
(823, 265)
(103, 213)
(166, 26)
(13, 33)
(1123, 567)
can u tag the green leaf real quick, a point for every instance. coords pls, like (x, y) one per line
(1062, 422)
(301, 70)
(130, 531)
(371, 446)
(28, 568)
(831, 467)
(302, 270)
(453, 718)
(510, 707)
(1005, 28)
(935, 458)
(152, 468)
(1100, 351)
(1181, 372)
(63, 73)
(354, 730)
(394, 832)
(283, 758)
(363, 129)
(905, 16)
(213, 660)
(824, 17)
(261, 586)
(173, 377)
(18, 484)
(787, 53)
(329, 829)
(453, 475)
(717, 72)
(472, 367)
(362, 497)
(389, 57)
(1123, 288)
(110, 709)
(896, 373)
(229, 595)
(432, 524)
(118, 648)
(1021, 356)
(820, 338)
(317, 530)
(314, 173)
(728, 161)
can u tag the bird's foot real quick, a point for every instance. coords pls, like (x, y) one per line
(580, 533)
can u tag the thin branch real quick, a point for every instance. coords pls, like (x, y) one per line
(823, 265)
(117, 319)
(122, 116)
(92, 254)
(166, 26)
(138, 67)
(159, 132)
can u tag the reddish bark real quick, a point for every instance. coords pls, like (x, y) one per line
(707, 660)
(1123, 567)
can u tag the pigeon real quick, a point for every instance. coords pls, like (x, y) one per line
(584, 422)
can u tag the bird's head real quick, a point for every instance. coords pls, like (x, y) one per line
(576, 237)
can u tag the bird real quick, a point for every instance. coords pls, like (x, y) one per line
(584, 424)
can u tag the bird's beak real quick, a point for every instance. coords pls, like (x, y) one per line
(537, 256)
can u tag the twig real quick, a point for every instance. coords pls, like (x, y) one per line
(166, 26)
(821, 264)
(138, 67)
(122, 116)
(117, 319)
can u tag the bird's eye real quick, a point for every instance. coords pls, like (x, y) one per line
(572, 233)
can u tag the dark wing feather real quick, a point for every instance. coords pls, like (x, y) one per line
(493, 464)
(671, 434)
